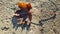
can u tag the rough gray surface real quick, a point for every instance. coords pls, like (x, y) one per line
(42, 22)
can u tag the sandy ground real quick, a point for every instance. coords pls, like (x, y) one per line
(42, 21)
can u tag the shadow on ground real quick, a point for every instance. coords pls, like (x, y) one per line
(15, 25)
(23, 26)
